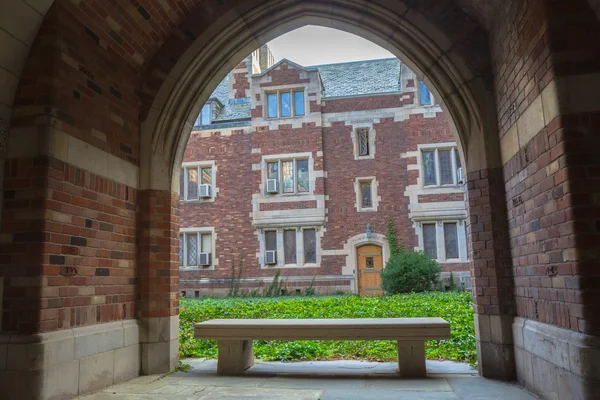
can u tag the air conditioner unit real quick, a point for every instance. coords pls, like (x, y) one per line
(205, 259)
(459, 176)
(270, 257)
(204, 191)
(272, 186)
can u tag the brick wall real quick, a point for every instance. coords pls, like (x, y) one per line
(73, 236)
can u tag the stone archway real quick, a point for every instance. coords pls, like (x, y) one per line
(465, 96)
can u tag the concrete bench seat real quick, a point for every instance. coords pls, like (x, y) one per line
(234, 337)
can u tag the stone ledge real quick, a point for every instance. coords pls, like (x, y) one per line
(555, 362)
(74, 361)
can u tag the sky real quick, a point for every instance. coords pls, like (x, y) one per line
(314, 45)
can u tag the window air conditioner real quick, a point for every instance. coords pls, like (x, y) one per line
(272, 186)
(204, 191)
(459, 176)
(205, 259)
(270, 257)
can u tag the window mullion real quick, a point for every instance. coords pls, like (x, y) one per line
(453, 160)
(185, 185)
(185, 257)
(438, 178)
(295, 177)
(198, 244)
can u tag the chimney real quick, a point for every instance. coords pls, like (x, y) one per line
(239, 84)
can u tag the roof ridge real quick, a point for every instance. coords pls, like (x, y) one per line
(354, 62)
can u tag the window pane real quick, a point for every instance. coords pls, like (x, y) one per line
(451, 240)
(192, 249)
(271, 240)
(206, 117)
(425, 96)
(286, 105)
(302, 167)
(272, 170)
(287, 168)
(457, 159)
(181, 250)
(272, 105)
(370, 262)
(310, 246)
(446, 167)
(299, 102)
(206, 243)
(289, 246)
(192, 183)
(363, 142)
(429, 168)
(365, 191)
(182, 184)
(429, 240)
(206, 176)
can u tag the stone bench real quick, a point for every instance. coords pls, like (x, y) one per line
(234, 337)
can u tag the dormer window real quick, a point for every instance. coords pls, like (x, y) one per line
(285, 103)
(425, 97)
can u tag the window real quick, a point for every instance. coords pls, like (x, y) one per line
(451, 240)
(271, 240)
(190, 180)
(293, 174)
(440, 167)
(310, 245)
(366, 194)
(444, 241)
(191, 247)
(425, 98)
(206, 117)
(430, 240)
(363, 142)
(293, 239)
(285, 104)
(289, 246)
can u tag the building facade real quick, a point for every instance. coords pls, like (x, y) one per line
(297, 169)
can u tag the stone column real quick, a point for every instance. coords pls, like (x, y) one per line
(487, 233)
(158, 305)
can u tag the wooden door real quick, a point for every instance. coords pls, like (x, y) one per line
(370, 265)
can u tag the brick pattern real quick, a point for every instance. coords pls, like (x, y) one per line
(73, 236)
(158, 254)
(362, 103)
(297, 205)
(434, 198)
(488, 243)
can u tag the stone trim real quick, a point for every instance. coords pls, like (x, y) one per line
(556, 362)
(28, 142)
(71, 362)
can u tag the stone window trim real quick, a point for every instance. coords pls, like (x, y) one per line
(281, 248)
(278, 92)
(374, 196)
(355, 135)
(201, 231)
(283, 158)
(440, 239)
(454, 158)
(214, 189)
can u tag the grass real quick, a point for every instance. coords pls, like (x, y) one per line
(455, 307)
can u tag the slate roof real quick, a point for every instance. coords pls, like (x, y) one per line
(356, 78)
(360, 77)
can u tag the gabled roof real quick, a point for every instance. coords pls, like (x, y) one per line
(285, 61)
(358, 78)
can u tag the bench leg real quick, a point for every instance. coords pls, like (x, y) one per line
(235, 356)
(411, 359)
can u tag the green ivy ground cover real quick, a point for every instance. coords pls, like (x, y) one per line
(454, 307)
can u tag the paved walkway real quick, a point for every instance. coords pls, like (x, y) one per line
(321, 380)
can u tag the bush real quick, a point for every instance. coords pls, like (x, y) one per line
(410, 271)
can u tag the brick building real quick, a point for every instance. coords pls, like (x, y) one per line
(287, 166)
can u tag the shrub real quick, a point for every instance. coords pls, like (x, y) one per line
(409, 271)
